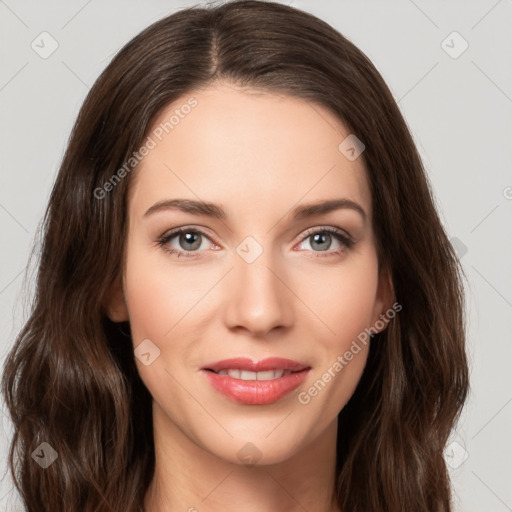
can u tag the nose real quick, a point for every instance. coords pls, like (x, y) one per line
(257, 296)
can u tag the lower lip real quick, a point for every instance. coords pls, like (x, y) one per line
(256, 392)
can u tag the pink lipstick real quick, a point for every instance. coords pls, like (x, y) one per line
(250, 382)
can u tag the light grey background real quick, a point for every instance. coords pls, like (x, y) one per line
(458, 109)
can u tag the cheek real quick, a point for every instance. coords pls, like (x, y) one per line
(166, 304)
(344, 298)
(346, 306)
(160, 302)
(150, 303)
(160, 296)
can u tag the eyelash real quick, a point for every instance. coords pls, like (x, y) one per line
(164, 240)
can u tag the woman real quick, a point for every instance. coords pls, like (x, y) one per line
(190, 346)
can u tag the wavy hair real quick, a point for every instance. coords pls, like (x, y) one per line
(70, 378)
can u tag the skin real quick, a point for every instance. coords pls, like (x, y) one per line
(258, 155)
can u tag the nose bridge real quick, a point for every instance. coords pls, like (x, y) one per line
(257, 297)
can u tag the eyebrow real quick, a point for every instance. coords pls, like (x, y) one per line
(215, 211)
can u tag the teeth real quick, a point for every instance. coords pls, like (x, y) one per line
(247, 375)
(269, 375)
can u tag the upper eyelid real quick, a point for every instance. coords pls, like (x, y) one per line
(319, 229)
(171, 233)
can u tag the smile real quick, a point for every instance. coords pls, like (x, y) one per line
(249, 382)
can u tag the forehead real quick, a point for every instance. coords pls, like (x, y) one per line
(247, 149)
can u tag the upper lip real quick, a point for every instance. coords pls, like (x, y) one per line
(244, 363)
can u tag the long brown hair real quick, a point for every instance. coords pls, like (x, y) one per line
(70, 380)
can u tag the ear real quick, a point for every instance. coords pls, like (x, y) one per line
(115, 304)
(383, 300)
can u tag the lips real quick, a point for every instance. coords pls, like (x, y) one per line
(249, 382)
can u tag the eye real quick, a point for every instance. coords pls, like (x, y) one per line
(188, 241)
(322, 238)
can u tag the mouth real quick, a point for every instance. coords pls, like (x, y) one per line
(250, 382)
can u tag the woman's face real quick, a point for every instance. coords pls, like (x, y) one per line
(250, 277)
